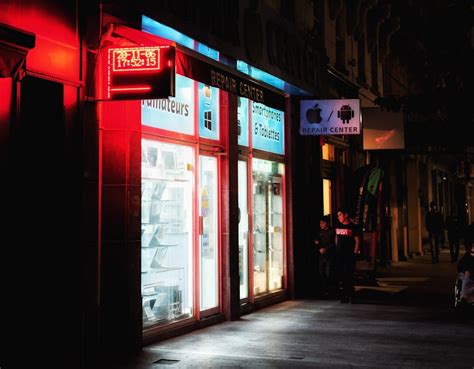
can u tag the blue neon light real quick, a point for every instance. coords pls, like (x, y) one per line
(156, 28)
(269, 79)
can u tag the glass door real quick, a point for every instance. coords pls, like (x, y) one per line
(268, 241)
(166, 232)
(208, 232)
(243, 230)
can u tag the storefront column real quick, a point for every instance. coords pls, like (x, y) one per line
(415, 245)
(119, 231)
(230, 210)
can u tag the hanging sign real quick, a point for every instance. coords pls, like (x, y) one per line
(138, 73)
(330, 117)
(383, 130)
(227, 80)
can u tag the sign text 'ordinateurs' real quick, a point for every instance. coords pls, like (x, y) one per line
(330, 117)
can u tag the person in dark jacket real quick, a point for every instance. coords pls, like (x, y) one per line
(325, 243)
(434, 226)
(453, 226)
(348, 236)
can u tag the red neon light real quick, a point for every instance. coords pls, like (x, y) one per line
(131, 59)
(131, 89)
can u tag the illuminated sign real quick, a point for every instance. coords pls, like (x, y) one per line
(383, 130)
(267, 129)
(139, 73)
(330, 117)
(135, 59)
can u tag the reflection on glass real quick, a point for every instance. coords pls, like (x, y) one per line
(268, 225)
(166, 270)
(243, 121)
(208, 211)
(208, 111)
(243, 230)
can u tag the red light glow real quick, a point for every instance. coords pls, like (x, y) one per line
(131, 89)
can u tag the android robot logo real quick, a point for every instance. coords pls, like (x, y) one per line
(345, 114)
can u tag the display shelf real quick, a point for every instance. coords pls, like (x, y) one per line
(161, 269)
(161, 245)
(163, 179)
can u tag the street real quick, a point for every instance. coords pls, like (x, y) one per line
(414, 328)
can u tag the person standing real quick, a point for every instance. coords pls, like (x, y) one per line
(434, 226)
(325, 243)
(347, 247)
(453, 226)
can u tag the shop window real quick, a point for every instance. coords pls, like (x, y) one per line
(208, 111)
(268, 245)
(328, 152)
(327, 197)
(243, 121)
(166, 232)
(243, 229)
(208, 215)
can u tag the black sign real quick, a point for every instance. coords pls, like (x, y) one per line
(139, 73)
(225, 80)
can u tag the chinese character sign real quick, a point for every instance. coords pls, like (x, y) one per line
(330, 117)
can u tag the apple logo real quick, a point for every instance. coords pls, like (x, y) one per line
(313, 115)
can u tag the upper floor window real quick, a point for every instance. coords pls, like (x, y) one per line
(328, 152)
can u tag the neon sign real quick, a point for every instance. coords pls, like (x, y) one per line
(135, 59)
(139, 73)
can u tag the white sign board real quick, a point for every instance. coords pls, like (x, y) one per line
(330, 117)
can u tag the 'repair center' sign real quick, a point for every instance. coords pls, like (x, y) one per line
(330, 117)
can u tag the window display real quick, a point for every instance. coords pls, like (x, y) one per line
(243, 121)
(268, 225)
(243, 230)
(208, 209)
(166, 232)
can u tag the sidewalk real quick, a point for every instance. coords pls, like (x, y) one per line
(421, 330)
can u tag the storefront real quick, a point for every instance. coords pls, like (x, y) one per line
(186, 222)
